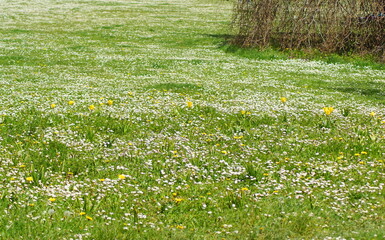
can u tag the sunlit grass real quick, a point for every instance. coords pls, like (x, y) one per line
(126, 120)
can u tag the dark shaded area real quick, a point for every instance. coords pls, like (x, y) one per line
(376, 92)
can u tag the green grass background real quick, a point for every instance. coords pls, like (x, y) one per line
(238, 164)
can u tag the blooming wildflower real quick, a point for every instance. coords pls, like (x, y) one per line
(328, 110)
(102, 180)
(91, 107)
(364, 153)
(53, 105)
(110, 102)
(178, 200)
(22, 166)
(174, 194)
(189, 104)
(357, 154)
(29, 179)
(243, 112)
(82, 213)
(52, 199)
(283, 99)
(180, 227)
(238, 137)
(120, 176)
(224, 152)
(362, 162)
(244, 189)
(71, 102)
(89, 218)
(372, 114)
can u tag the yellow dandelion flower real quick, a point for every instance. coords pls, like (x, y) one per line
(71, 102)
(243, 112)
(52, 199)
(82, 213)
(102, 180)
(178, 200)
(357, 154)
(91, 107)
(328, 110)
(53, 105)
(372, 114)
(238, 137)
(120, 176)
(283, 99)
(29, 179)
(89, 218)
(180, 227)
(189, 104)
(244, 189)
(110, 102)
(364, 153)
(174, 194)
(224, 152)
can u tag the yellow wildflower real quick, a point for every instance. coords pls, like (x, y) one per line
(244, 189)
(91, 107)
(89, 218)
(283, 99)
(178, 200)
(52, 199)
(53, 105)
(71, 102)
(328, 110)
(372, 114)
(189, 104)
(180, 227)
(82, 213)
(29, 179)
(110, 102)
(243, 112)
(121, 176)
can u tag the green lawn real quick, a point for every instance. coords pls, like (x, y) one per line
(128, 120)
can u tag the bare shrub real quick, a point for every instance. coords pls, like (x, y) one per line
(329, 25)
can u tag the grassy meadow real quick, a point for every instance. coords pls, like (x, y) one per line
(126, 119)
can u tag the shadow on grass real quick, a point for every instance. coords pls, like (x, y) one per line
(374, 92)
